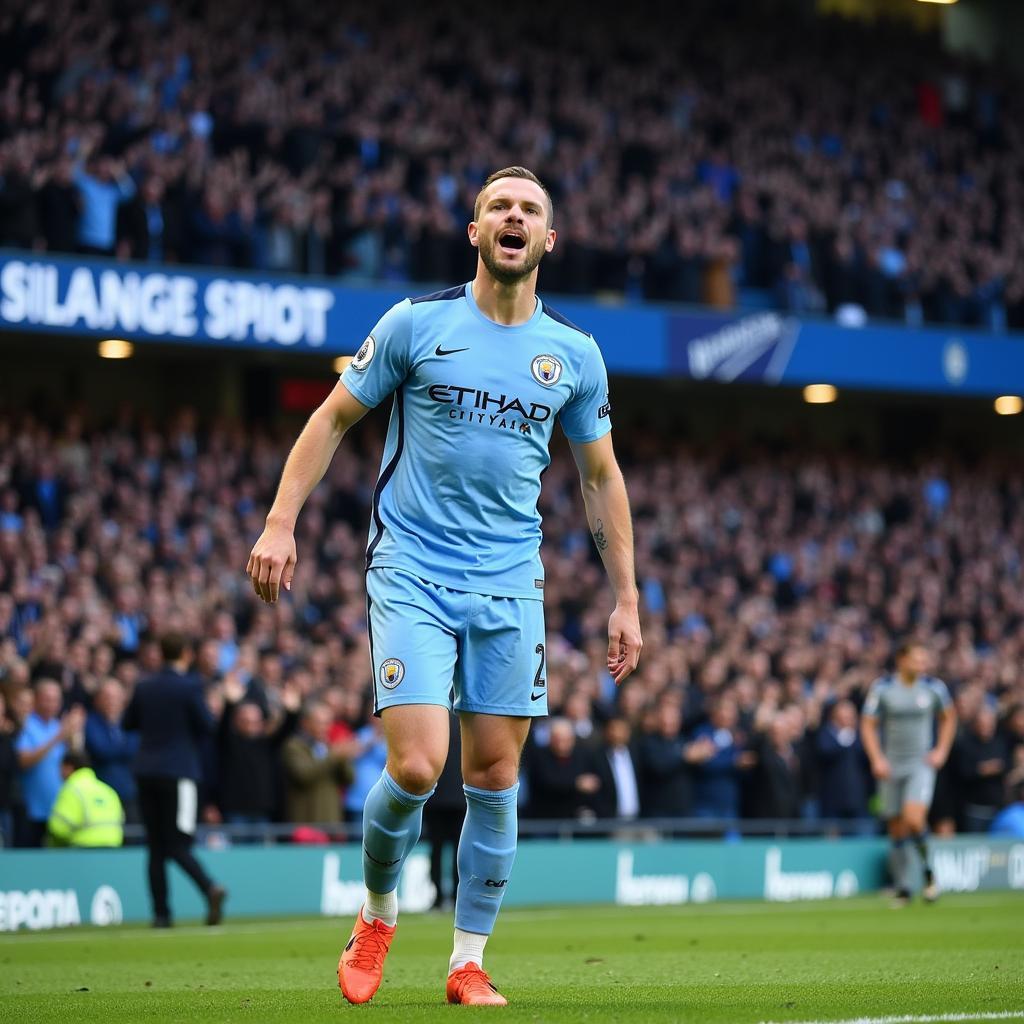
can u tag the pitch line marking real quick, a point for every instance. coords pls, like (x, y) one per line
(916, 1018)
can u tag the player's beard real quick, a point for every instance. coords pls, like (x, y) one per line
(507, 275)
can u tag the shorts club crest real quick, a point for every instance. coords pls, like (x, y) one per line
(392, 672)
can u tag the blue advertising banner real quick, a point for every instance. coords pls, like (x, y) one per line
(101, 299)
(773, 348)
(42, 889)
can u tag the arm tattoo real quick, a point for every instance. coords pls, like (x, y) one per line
(599, 538)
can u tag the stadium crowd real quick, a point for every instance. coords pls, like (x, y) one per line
(692, 156)
(774, 588)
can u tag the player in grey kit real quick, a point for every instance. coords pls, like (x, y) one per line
(908, 755)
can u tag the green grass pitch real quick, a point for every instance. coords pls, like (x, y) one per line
(731, 962)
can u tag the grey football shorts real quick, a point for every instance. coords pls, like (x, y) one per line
(906, 786)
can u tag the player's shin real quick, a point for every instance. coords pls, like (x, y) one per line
(898, 865)
(392, 819)
(487, 850)
(920, 841)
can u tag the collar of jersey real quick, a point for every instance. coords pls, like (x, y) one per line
(504, 328)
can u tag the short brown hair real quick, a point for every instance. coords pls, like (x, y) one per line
(906, 646)
(514, 172)
(173, 645)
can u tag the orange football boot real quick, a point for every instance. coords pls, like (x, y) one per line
(361, 965)
(471, 986)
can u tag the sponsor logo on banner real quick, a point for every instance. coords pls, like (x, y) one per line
(106, 907)
(161, 305)
(636, 890)
(955, 362)
(754, 348)
(804, 885)
(341, 897)
(38, 908)
(965, 868)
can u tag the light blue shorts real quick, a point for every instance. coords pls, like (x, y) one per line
(426, 640)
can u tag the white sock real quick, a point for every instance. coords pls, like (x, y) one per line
(381, 907)
(469, 948)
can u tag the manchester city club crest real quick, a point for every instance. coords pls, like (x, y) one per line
(392, 672)
(546, 370)
(361, 360)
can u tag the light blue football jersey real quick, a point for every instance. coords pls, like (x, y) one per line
(474, 409)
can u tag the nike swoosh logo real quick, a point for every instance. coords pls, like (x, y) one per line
(448, 351)
(382, 863)
(536, 696)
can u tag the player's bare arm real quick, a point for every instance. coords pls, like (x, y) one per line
(607, 505)
(873, 747)
(939, 754)
(272, 560)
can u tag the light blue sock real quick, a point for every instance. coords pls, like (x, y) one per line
(392, 819)
(487, 849)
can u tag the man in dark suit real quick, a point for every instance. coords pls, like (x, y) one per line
(170, 714)
(842, 764)
(616, 766)
(666, 763)
(145, 229)
(778, 771)
(562, 783)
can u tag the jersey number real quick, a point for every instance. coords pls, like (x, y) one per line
(538, 679)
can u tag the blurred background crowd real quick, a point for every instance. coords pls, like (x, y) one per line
(713, 155)
(775, 586)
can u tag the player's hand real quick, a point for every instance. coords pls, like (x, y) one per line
(880, 768)
(935, 758)
(624, 642)
(272, 562)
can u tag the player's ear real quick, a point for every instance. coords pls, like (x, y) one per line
(474, 234)
(549, 242)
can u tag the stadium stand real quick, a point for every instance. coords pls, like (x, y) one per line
(774, 587)
(711, 155)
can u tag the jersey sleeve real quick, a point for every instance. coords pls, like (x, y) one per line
(384, 359)
(587, 415)
(873, 701)
(941, 692)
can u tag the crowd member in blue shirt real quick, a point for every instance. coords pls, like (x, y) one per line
(1009, 822)
(40, 747)
(717, 788)
(111, 749)
(103, 184)
(367, 764)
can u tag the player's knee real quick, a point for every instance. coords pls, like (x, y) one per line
(914, 825)
(415, 774)
(493, 776)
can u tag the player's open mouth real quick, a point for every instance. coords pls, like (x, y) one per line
(512, 242)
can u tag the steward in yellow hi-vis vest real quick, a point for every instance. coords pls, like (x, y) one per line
(87, 812)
